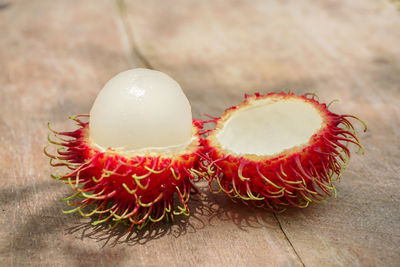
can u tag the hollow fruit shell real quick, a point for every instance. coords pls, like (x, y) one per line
(294, 177)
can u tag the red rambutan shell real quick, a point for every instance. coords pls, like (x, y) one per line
(293, 177)
(120, 187)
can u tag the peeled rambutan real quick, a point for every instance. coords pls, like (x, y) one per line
(278, 150)
(135, 154)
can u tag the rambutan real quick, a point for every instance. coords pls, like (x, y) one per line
(137, 153)
(278, 150)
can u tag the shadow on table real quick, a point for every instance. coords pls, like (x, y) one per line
(31, 235)
(206, 210)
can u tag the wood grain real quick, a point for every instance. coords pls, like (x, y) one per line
(56, 55)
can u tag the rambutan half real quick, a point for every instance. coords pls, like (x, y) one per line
(136, 156)
(278, 150)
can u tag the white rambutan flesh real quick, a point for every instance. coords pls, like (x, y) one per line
(141, 109)
(269, 126)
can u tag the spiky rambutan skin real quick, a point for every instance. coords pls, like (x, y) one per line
(120, 187)
(294, 177)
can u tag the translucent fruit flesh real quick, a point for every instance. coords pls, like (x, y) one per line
(141, 109)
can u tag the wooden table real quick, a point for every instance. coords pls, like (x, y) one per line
(55, 55)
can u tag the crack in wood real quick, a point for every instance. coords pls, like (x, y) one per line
(287, 238)
(4, 5)
(135, 51)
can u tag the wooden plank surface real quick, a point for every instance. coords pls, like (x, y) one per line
(56, 55)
